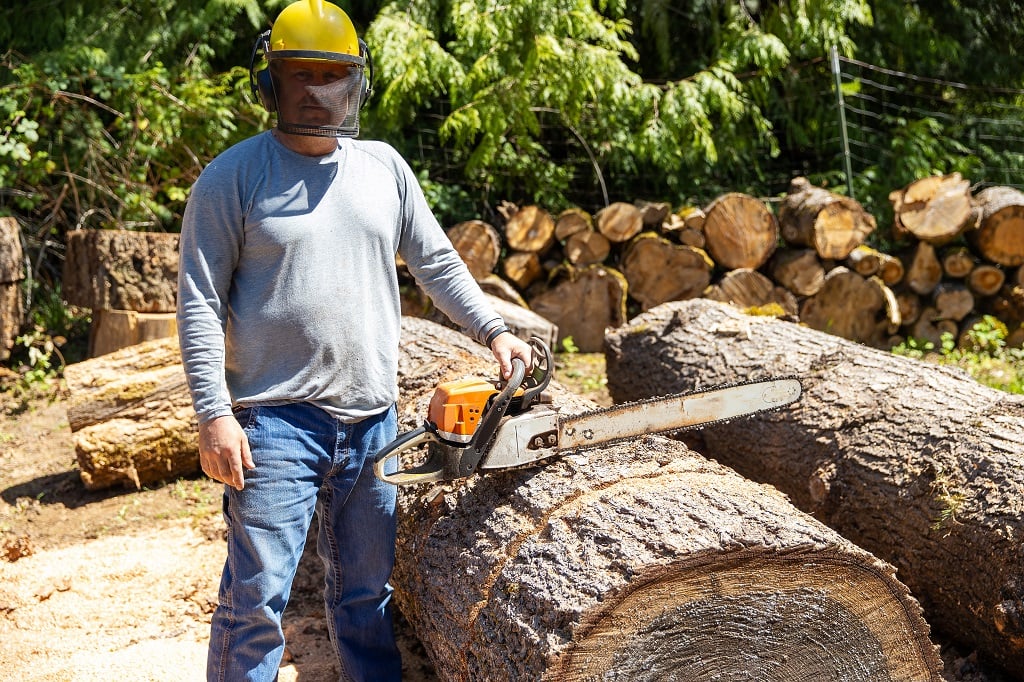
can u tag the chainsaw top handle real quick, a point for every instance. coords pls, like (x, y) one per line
(451, 461)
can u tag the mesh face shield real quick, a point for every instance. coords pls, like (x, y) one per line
(320, 98)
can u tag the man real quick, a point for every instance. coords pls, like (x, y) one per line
(289, 320)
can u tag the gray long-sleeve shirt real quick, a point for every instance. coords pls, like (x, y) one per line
(287, 285)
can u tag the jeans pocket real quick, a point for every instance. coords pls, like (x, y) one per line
(246, 417)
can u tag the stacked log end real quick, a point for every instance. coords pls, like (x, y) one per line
(950, 247)
(633, 561)
(917, 463)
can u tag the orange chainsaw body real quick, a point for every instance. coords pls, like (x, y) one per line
(456, 407)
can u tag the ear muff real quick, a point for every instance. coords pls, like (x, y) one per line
(366, 87)
(260, 81)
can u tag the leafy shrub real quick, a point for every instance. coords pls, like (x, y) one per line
(984, 355)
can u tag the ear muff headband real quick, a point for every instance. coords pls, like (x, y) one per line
(261, 83)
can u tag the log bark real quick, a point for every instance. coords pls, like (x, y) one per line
(619, 221)
(740, 231)
(583, 305)
(830, 223)
(531, 229)
(640, 560)
(658, 270)
(936, 209)
(131, 417)
(12, 272)
(1000, 234)
(915, 462)
(517, 315)
(121, 270)
(479, 245)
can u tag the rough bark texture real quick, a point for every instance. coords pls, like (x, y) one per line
(12, 272)
(131, 417)
(917, 463)
(740, 231)
(121, 270)
(832, 224)
(636, 561)
(523, 321)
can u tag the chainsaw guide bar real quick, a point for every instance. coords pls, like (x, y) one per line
(472, 425)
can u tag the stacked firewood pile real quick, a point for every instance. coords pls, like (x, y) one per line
(957, 257)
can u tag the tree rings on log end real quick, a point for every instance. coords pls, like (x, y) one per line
(819, 621)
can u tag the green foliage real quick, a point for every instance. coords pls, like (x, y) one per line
(514, 77)
(569, 346)
(983, 354)
(450, 203)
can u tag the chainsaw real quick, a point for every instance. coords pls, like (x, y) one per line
(489, 425)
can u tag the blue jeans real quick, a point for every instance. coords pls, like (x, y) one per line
(307, 460)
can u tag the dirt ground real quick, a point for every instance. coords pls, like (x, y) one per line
(120, 584)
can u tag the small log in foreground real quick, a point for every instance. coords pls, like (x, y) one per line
(640, 560)
(131, 417)
(917, 463)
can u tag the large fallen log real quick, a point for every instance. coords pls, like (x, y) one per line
(917, 463)
(640, 560)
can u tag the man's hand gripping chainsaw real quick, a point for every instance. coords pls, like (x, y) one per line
(474, 424)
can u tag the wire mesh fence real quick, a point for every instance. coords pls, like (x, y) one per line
(855, 127)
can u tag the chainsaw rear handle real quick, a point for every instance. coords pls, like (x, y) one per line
(450, 461)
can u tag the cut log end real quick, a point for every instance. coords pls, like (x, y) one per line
(665, 628)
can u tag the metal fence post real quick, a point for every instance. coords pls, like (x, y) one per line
(838, 77)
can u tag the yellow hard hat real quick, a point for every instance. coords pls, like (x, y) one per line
(314, 29)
